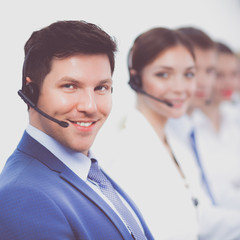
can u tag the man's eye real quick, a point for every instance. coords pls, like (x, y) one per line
(101, 88)
(162, 74)
(68, 86)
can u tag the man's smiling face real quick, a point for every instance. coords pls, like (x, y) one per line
(76, 90)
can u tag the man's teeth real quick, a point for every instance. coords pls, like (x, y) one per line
(84, 124)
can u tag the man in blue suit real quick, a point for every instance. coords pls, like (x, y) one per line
(51, 186)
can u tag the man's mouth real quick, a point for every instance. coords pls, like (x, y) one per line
(83, 124)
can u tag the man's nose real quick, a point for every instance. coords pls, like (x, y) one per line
(87, 101)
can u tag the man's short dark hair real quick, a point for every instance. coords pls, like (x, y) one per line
(63, 39)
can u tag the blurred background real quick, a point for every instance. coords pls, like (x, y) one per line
(124, 20)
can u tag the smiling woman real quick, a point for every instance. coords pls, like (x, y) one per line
(160, 170)
(162, 72)
(162, 65)
(171, 77)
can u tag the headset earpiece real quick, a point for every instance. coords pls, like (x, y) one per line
(31, 90)
(135, 82)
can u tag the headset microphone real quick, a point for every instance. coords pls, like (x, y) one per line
(140, 90)
(30, 93)
(33, 105)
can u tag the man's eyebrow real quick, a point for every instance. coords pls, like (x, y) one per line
(77, 82)
(109, 80)
(68, 79)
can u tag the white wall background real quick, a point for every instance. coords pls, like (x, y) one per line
(123, 19)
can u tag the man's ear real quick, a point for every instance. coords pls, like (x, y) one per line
(133, 72)
(28, 80)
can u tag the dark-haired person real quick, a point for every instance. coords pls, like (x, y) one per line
(162, 67)
(206, 59)
(236, 95)
(235, 103)
(51, 186)
(206, 64)
(216, 220)
(218, 133)
(162, 72)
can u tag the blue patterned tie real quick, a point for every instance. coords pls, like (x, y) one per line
(97, 176)
(204, 178)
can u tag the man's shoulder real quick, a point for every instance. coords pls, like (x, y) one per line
(23, 176)
(18, 166)
(24, 184)
(27, 210)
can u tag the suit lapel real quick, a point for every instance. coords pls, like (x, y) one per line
(89, 193)
(133, 206)
(33, 148)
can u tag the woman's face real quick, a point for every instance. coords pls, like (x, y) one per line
(170, 77)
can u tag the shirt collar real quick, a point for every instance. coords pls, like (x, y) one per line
(182, 125)
(76, 161)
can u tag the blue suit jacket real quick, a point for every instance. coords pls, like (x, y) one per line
(41, 198)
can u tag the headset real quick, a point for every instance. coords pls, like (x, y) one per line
(135, 82)
(30, 93)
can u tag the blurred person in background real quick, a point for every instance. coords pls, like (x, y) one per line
(185, 129)
(233, 106)
(206, 60)
(162, 71)
(218, 133)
